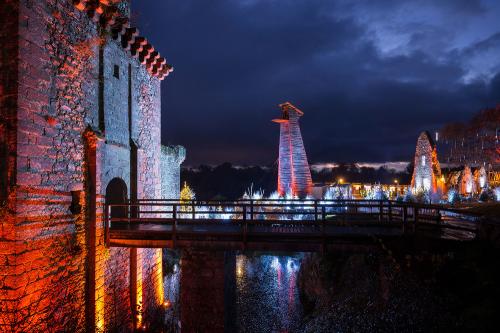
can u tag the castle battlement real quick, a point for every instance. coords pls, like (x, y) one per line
(114, 17)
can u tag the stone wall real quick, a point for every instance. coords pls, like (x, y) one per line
(72, 101)
(8, 97)
(56, 47)
(116, 93)
(8, 140)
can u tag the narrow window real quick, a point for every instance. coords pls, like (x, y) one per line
(116, 71)
(423, 160)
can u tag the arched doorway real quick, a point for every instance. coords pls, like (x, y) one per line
(116, 193)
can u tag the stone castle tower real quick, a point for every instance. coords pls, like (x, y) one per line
(294, 175)
(426, 171)
(80, 110)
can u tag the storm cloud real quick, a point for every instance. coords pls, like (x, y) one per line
(369, 75)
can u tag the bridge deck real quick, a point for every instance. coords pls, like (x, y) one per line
(231, 235)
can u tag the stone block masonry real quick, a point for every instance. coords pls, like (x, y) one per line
(79, 111)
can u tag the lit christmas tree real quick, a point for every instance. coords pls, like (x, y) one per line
(187, 193)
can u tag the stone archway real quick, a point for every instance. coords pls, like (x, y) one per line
(116, 193)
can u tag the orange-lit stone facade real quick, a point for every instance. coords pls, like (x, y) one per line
(80, 106)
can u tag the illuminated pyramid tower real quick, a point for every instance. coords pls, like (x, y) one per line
(294, 175)
(426, 172)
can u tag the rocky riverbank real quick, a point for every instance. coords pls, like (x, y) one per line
(400, 292)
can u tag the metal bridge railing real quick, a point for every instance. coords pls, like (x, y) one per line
(283, 212)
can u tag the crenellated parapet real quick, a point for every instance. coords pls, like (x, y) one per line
(175, 153)
(171, 160)
(115, 20)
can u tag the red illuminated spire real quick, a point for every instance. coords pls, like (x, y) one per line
(294, 174)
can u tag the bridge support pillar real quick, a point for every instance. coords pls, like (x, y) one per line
(207, 291)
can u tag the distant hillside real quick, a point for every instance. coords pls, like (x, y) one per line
(226, 181)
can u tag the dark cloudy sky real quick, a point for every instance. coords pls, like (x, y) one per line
(369, 75)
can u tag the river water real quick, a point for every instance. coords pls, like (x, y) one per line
(454, 289)
(267, 293)
(267, 296)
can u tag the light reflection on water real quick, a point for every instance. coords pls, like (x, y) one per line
(171, 287)
(267, 294)
(267, 297)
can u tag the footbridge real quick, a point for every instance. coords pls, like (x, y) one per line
(305, 225)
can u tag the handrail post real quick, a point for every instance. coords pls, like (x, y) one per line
(390, 211)
(439, 217)
(316, 210)
(128, 213)
(245, 226)
(344, 212)
(251, 210)
(323, 231)
(193, 214)
(380, 211)
(405, 217)
(174, 225)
